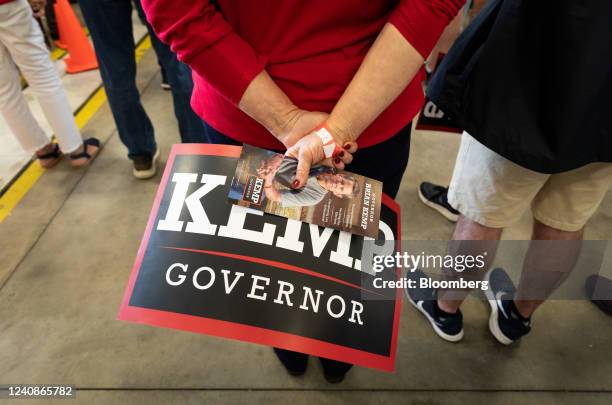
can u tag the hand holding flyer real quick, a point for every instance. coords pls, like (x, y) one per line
(330, 198)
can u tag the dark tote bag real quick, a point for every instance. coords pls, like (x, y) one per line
(532, 80)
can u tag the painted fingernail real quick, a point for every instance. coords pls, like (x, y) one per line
(341, 153)
(295, 184)
(337, 160)
(347, 146)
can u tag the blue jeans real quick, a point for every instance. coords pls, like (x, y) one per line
(110, 26)
(394, 152)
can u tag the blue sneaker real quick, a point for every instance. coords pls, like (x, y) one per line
(436, 197)
(446, 325)
(505, 323)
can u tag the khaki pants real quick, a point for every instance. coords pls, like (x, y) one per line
(491, 190)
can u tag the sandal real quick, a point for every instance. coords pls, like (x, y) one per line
(85, 154)
(50, 159)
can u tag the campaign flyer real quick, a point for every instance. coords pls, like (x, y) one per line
(331, 198)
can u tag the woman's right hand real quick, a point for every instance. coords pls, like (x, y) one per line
(309, 151)
(298, 136)
(298, 124)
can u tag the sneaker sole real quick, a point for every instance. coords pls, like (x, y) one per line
(449, 338)
(493, 324)
(147, 174)
(448, 215)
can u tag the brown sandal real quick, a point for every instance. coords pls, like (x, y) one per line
(87, 142)
(50, 159)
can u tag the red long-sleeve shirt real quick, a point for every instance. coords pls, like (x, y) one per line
(311, 48)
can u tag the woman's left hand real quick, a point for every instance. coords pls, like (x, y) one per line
(309, 151)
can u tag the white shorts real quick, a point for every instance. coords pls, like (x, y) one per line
(491, 190)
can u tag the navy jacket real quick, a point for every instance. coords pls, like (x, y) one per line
(532, 80)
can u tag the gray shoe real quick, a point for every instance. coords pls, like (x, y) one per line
(145, 166)
(435, 196)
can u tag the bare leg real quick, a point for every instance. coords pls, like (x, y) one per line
(547, 264)
(469, 238)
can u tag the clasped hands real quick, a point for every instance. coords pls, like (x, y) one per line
(298, 135)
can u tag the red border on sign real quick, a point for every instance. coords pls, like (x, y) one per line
(197, 324)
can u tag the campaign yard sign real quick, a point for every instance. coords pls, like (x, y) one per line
(208, 266)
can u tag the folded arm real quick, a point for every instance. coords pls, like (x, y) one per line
(391, 63)
(389, 66)
(203, 40)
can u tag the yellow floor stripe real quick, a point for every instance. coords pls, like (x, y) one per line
(144, 46)
(32, 173)
(57, 53)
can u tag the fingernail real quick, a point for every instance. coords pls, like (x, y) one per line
(295, 184)
(337, 160)
(347, 146)
(341, 153)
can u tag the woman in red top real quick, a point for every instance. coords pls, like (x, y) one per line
(272, 73)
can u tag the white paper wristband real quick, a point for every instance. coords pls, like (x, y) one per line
(329, 143)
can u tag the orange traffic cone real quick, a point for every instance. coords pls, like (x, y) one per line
(82, 56)
(61, 42)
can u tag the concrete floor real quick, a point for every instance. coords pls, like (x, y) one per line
(68, 248)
